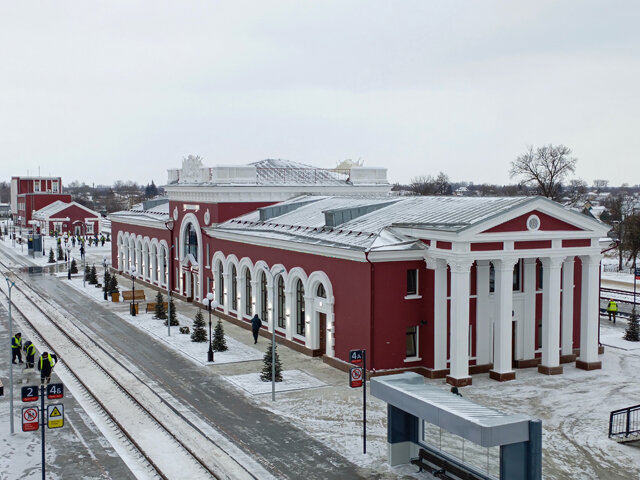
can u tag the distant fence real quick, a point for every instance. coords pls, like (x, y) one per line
(613, 268)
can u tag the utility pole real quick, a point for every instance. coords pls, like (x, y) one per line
(10, 284)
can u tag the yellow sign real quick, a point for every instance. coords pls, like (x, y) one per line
(55, 415)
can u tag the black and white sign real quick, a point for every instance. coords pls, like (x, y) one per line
(355, 357)
(55, 391)
(30, 393)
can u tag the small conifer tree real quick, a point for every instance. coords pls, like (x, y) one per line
(199, 334)
(160, 313)
(60, 252)
(219, 343)
(632, 333)
(87, 273)
(113, 285)
(107, 281)
(93, 275)
(173, 318)
(74, 266)
(265, 376)
(52, 257)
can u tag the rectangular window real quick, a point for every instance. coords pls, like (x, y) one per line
(412, 342)
(540, 271)
(90, 228)
(412, 282)
(36, 185)
(516, 276)
(54, 186)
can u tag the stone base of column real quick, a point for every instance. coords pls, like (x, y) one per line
(475, 369)
(502, 377)
(568, 358)
(531, 362)
(459, 382)
(432, 373)
(549, 370)
(588, 365)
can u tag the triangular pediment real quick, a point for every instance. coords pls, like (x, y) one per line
(527, 222)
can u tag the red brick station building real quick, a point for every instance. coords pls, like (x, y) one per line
(444, 286)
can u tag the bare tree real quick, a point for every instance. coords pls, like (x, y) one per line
(428, 185)
(576, 192)
(600, 184)
(545, 168)
(619, 208)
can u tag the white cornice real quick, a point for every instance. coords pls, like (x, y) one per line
(158, 224)
(397, 255)
(332, 252)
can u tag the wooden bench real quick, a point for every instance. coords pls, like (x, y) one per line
(438, 467)
(151, 306)
(127, 295)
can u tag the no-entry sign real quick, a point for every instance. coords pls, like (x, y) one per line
(356, 375)
(30, 419)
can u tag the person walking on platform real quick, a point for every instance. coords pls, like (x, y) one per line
(256, 323)
(45, 365)
(612, 309)
(16, 348)
(30, 350)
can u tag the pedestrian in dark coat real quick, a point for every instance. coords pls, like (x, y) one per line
(16, 348)
(30, 350)
(45, 365)
(256, 323)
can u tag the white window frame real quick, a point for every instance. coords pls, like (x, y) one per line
(417, 357)
(416, 295)
(89, 228)
(36, 186)
(54, 186)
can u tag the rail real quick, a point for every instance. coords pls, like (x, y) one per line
(624, 424)
(131, 397)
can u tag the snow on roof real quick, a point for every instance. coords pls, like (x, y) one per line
(158, 213)
(58, 206)
(373, 230)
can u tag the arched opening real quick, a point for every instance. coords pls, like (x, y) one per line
(264, 295)
(220, 283)
(248, 310)
(234, 288)
(299, 304)
(190, 241)
(280, 302)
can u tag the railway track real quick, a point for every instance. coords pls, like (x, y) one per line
(171, 445)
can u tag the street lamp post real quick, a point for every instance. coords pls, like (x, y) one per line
(212, 304)
(133, 287)
(10, 284)
(106, 287)
(169, 225)
(69, 262)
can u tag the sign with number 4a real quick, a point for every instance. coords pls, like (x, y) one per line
(356, 376)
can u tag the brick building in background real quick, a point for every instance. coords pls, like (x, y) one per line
(29, 194)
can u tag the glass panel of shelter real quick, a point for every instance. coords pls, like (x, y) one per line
(481, 459)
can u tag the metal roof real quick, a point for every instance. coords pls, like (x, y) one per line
(481, 425)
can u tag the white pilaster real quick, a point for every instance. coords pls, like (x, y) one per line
(483, 317)
(440, 315)
(567, 306)
(459, 338)
(529, 330)
(502, 354)
(551, 315)
(310, 337)
(589, 313)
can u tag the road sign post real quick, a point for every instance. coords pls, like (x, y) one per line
(357, 379)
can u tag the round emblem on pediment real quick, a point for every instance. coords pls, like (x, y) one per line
(175, 213)
(533, 223)
(207, 217)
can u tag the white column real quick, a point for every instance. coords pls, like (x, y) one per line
(550, 364)
(254, 297)
(589, 313)
(529, 330)
(502, 353)
(440, 315)
(459, 338)
(483, 316)
(310, 336)
(567, 306)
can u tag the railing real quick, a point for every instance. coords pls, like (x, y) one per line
(613, 268)
(624, 424)
(301, 175)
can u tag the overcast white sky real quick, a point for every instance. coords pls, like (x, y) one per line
(101, 91)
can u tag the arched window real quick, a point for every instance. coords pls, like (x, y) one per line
(280, 302)
(234, 288)
(247, 292)
(299, 308)
(263, 296)
(190, 241)
(220, 283)
(321, 292)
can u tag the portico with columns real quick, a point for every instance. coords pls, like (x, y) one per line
(506, 289)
